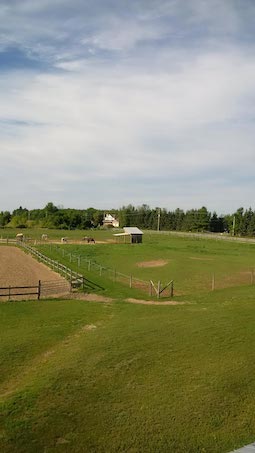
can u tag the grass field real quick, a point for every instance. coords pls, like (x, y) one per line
(190, 262)
(80, 376)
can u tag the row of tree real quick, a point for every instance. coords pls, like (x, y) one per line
(241, 223)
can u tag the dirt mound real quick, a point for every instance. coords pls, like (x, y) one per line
(155, 263)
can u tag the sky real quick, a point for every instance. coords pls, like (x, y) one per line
(109, 102)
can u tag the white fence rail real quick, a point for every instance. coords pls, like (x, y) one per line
(112, 274)
(76, 279)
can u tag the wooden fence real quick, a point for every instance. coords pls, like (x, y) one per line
(8, 241)
(114, 275)
(78, 280)
(103, 271)
(43, 289)
(10, 291)
(75, 279)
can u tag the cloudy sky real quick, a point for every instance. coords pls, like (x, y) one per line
(110, 102)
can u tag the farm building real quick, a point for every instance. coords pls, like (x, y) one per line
(131, 234)
(109, 220)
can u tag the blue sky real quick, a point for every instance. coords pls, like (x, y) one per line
(110, 102)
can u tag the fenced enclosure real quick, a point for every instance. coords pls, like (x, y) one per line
(78, 281)
(75, 279)
(196, 266)
(129, 280)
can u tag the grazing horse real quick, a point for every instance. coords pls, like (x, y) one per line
(88, 239)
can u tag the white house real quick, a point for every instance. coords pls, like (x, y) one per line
(109, 220)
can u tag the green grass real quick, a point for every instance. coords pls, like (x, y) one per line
(191, 262)
(116, 377)
(145, 379)
(53, 234)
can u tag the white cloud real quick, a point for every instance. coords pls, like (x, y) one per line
(161, 124)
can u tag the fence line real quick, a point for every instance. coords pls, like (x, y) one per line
(9, 291)
(76, 280)
(212, 282)
(216, 236)
(8, 241)
(113, 274)
(42, 289)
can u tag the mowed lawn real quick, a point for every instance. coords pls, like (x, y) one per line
(82, 376)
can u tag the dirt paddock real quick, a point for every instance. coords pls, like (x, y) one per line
(19, 269)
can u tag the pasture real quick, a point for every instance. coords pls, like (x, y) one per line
(119, 377)
(193, 263)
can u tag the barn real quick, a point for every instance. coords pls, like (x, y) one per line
(131, 234)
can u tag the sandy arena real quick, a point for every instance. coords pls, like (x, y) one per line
(18, 268)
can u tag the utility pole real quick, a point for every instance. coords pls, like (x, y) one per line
(234, 225)
(158, 220)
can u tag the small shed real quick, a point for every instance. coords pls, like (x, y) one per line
(133, 234)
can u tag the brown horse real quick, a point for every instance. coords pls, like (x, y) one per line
(88, 239)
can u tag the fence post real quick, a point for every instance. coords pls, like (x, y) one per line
(100, 271)
(159, 288)
(89, 264)
(39, 290)
(252, 277)
(9, 295)
(172, 289)
(213, 282)
(150, 289)
(71, 278)
(79, 261)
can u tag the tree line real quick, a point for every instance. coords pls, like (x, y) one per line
(241, 222)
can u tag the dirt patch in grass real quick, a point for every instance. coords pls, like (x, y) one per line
(90, 297)
(155, 302)
(89, 327)
(200, 259)
(154, 263)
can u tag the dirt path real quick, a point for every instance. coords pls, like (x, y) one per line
(155, 302)
(18, 268)
(154, 263)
